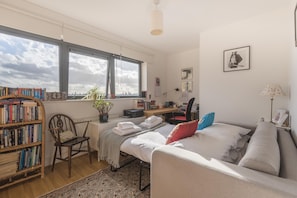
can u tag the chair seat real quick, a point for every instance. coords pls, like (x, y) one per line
(181, 118)
(75, 140)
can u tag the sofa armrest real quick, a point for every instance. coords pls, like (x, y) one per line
(176, 172)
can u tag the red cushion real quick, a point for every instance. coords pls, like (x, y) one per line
(182, 130)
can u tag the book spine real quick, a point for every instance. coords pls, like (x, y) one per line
(1, 139)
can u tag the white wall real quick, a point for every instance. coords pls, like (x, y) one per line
(160, 72)
(234, 96)
(293, 72)
(175, 63)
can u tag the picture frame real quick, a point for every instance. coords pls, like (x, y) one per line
(280, 117)
(236, 59)
(187, 86)
(295, 25)
(187, 74)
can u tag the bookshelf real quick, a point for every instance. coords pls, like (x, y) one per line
(22, 126)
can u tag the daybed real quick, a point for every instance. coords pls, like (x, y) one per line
(214, 141)
(268, 168)
(141, 144)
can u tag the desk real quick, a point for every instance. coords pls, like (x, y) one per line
(95, 127)
(161, 111)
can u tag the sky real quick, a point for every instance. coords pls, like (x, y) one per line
(32, 64)
(29, 64)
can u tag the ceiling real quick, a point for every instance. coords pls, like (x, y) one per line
(183, 19)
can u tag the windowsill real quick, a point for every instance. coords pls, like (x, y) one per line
(88, 100)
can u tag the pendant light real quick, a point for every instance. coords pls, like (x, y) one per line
(156, 20)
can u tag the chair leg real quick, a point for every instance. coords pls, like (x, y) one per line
(54, 160)
(60, 152)
(69, 161)
(89, 151)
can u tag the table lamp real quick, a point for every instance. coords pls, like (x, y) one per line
(272, 90)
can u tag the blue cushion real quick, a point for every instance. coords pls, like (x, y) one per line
(206, 120)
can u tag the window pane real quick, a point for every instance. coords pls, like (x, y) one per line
(126, 78)
(28, 63)
(85, 73)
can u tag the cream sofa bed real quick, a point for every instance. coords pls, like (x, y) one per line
(266, 170)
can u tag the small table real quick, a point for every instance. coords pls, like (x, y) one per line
(160, 111)
(95, 127)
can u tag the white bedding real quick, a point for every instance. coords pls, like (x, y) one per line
(213, 141)
(142, 146)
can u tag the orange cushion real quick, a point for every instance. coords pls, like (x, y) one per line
(182, 130)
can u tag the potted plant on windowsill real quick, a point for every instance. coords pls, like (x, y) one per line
(99, 103)
(103, 108)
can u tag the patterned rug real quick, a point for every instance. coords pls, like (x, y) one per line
(122, 183)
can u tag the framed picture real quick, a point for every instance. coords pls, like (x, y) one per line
(295, 25)
(280, 117)
(237, 59)
(187, 86)
(187, 74)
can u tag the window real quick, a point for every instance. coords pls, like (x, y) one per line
(85, 73)
(33, 61)
(28, 63)
(126, 78)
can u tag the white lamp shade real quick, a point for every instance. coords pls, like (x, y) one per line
(272, 90)
(156, 22)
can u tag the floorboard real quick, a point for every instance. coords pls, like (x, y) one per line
(56, 179)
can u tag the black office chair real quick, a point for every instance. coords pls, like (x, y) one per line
(63, 130)
(179, 117)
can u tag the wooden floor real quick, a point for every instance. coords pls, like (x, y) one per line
(56, 179)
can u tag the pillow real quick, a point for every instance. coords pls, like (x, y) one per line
(263, 151)
(206, 120)
(182, 130)
(66, 136)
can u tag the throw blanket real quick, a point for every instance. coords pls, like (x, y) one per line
(109, 144)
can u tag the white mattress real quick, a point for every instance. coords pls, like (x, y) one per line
(213, 141)
(142, 146)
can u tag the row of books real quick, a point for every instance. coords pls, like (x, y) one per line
(20, 135)
(29, 157)
(9, 163)
(18, 110)
(33, 92)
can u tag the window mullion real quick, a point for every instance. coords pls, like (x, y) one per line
(64, 67)
(111, 77)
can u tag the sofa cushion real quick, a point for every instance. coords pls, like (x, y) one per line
(288, 153)
(206, 120)
(263, 151)
(265, 129)
(182, 130)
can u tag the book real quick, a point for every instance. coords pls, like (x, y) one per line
(33, 156)
(9, 157)
(8, 169)
(37, 158)
(1, 139)
(22, 159)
